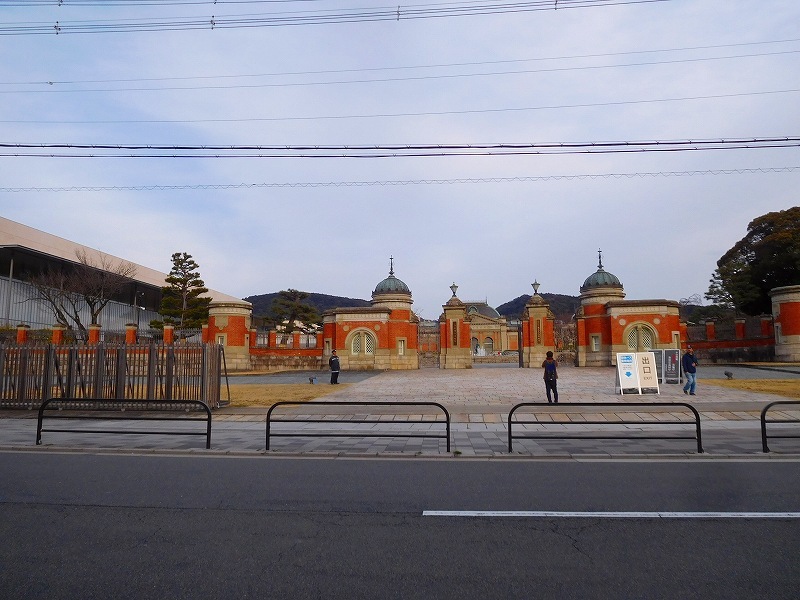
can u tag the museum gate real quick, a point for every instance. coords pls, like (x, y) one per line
(429, 344)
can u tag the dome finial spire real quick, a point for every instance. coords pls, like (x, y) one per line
(599, 259)
(391, 265)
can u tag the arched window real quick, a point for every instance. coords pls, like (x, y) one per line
(363, 342)
(488, 345)
(474, 344)
(641, 338)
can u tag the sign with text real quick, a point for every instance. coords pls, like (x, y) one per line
(637, 373)
(627, 373)
(648, 373)
(672, 366)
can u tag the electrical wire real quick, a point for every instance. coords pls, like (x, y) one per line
(406, 67)
(59, 150)
(469, 180)
(328, 17)
(445, 76)
(405, 114)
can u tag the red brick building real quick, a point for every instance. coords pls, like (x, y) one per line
(381, 336)
(608, 324)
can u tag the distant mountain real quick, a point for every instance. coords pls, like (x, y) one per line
(563, 307)
(262, 303)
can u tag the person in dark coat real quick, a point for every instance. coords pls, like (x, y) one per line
(689, 364)
(333, 363)
(550, 367)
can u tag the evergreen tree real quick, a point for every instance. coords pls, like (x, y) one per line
(290, 308)
(767, 257)
(182, 304)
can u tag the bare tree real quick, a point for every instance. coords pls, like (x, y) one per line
(90, 283)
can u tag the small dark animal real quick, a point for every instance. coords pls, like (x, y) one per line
(728, 374)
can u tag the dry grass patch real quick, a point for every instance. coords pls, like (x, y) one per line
(265, 395)
(789, 388)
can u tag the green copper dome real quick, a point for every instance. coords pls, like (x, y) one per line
(601, 278)
(391, 285)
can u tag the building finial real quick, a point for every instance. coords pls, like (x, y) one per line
(391, 265)
(599, 259)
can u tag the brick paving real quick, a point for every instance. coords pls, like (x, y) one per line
(478, 401)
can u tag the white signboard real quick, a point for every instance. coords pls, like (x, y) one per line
(648, 373)
(627, 373)
(637, 373)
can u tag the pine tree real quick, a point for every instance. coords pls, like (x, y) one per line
(290, 308)
(182, 304)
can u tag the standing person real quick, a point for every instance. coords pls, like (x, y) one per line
(689, 364)
(550, 367)
(333, 362)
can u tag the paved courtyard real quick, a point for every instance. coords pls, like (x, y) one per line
(478, 401)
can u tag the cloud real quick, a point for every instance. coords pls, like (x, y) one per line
(660, 235)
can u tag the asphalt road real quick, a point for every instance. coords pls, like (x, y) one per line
(150, 526)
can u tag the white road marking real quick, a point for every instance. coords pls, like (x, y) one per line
(611, 514)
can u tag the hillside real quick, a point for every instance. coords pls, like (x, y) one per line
(262, 303)
(563, 307)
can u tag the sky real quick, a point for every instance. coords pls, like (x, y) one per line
(492, 221)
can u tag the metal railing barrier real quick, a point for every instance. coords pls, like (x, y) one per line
(544, 407)
(352, 433)
(764, 422)
(128, 410)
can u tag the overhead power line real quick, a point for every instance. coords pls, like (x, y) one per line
(52, 88)
(464, 180)
(58, 150)
(406, 114)
(324, 17)
(450, 65)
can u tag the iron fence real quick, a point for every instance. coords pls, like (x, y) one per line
(30, 374)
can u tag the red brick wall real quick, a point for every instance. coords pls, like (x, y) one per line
(789, 318)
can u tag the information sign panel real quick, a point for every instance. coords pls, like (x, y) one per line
(672, 366)
(627, 373)
(648, 374)
(659, 354)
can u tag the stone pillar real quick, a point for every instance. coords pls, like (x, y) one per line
(455, 335)
(130, 333)
(229, 323)
(58, 335)
(94, 334)
(169, 335)
(22, 333)
(786, 315)
(538, 332)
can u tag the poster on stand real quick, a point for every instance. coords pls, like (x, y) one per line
(672, 366)
(627, 374)
(648, 373)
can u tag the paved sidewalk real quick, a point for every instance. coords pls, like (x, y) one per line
(478, 401)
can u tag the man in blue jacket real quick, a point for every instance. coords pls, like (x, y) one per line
(689, 364)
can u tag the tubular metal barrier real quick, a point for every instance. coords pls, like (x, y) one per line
(621, 407)
(351, 433)
(764, 422)
(118, 410)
